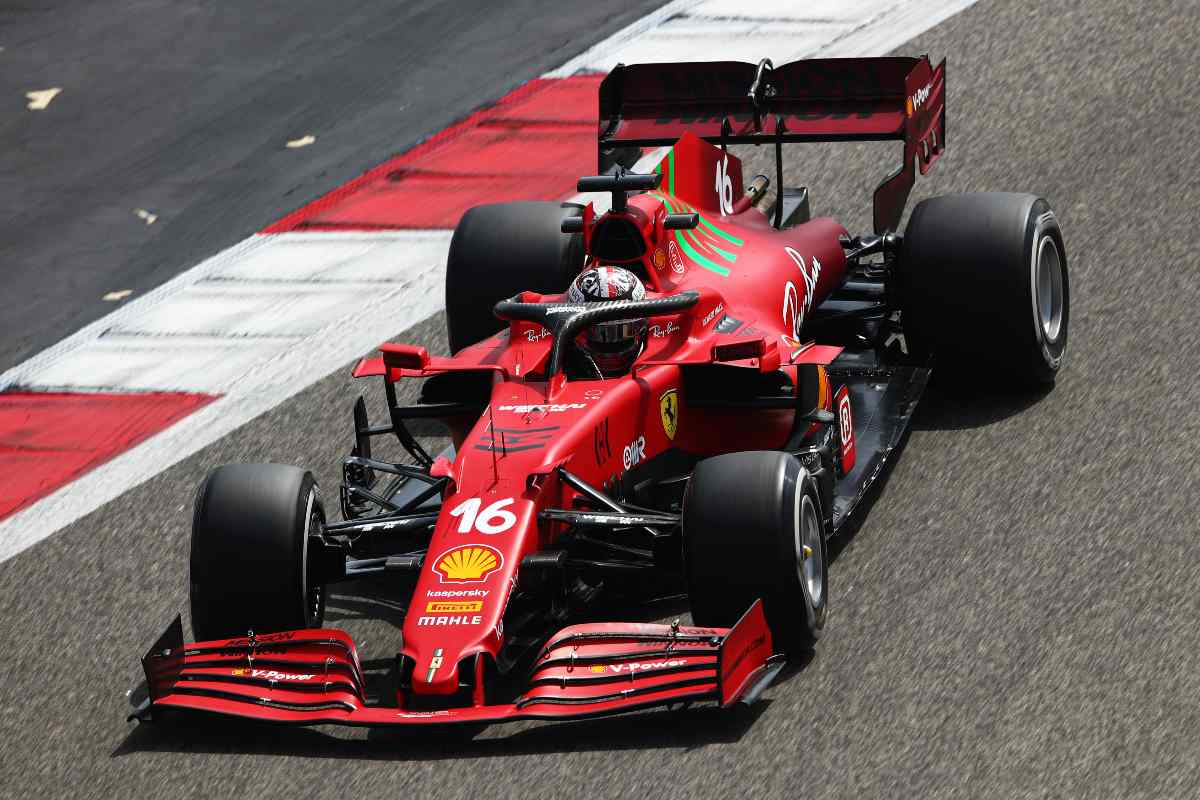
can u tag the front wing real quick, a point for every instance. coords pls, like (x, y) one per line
(312, 677)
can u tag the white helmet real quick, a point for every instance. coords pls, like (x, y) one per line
(614, 345)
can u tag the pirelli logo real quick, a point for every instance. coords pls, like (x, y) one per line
(453, 607)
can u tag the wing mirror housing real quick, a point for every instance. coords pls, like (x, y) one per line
(681, 222)
(404, 356)
(766, 352)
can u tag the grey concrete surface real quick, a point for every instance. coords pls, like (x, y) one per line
(1016, 617)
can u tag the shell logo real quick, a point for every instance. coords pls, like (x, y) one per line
(659, 258)
(468, 563)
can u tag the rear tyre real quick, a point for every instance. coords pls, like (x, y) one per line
(983, 283)
(253, 528)
(747, 519)
(499, 250)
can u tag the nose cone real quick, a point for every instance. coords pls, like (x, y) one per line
(455, 611)
(459, 600)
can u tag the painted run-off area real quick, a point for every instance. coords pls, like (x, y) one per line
(48, 439)
(214, 334)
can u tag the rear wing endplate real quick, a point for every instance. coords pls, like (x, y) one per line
(815, 100)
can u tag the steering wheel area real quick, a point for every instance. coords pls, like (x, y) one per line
(566, 320)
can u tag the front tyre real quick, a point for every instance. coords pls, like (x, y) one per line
(984, 285)
(753, 528)
(253, 530)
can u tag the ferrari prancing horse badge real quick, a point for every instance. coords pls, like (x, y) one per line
(668, 407)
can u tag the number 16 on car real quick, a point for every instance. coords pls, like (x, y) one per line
(493, 518)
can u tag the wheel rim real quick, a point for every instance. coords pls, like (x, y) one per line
(808, 534)
(1049, 288)
(311, 591)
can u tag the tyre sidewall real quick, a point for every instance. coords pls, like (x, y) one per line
(967, 280)
(805, 485)
(1043, 223)
(787, 586)
(740, 545)
(249, 551)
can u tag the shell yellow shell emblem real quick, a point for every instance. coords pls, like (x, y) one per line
(468, 563)
(668, 408)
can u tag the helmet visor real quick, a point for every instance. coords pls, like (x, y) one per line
(617, 332)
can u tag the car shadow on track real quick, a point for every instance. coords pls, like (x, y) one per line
(658, 729)
(947, 407)
(341, 608)
(943, 407)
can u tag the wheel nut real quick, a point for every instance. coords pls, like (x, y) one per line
(805, 552)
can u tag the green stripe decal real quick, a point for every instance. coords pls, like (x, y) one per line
(691, 251)
(728, 237)
(699, 259)
(696, 242)
(730, 257)
(671, 171)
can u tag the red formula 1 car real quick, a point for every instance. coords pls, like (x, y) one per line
(777, 368)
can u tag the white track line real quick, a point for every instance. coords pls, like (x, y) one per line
(253, 374)
(212, 329)
(781, 30)
(270, 316)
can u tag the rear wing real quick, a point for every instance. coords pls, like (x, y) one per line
(816, 100)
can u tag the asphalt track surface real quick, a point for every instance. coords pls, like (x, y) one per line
(184, 111)
(1016, 616)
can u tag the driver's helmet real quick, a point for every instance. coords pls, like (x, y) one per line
(614, 345)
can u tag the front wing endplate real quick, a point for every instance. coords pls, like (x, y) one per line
(310, 677)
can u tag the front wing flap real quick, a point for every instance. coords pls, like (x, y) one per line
(314, 677)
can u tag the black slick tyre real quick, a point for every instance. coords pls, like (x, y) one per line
(499, 250)
(984, 286)
(748, 519)
(250, 565)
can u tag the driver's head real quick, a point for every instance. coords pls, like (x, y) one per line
(613, 346)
